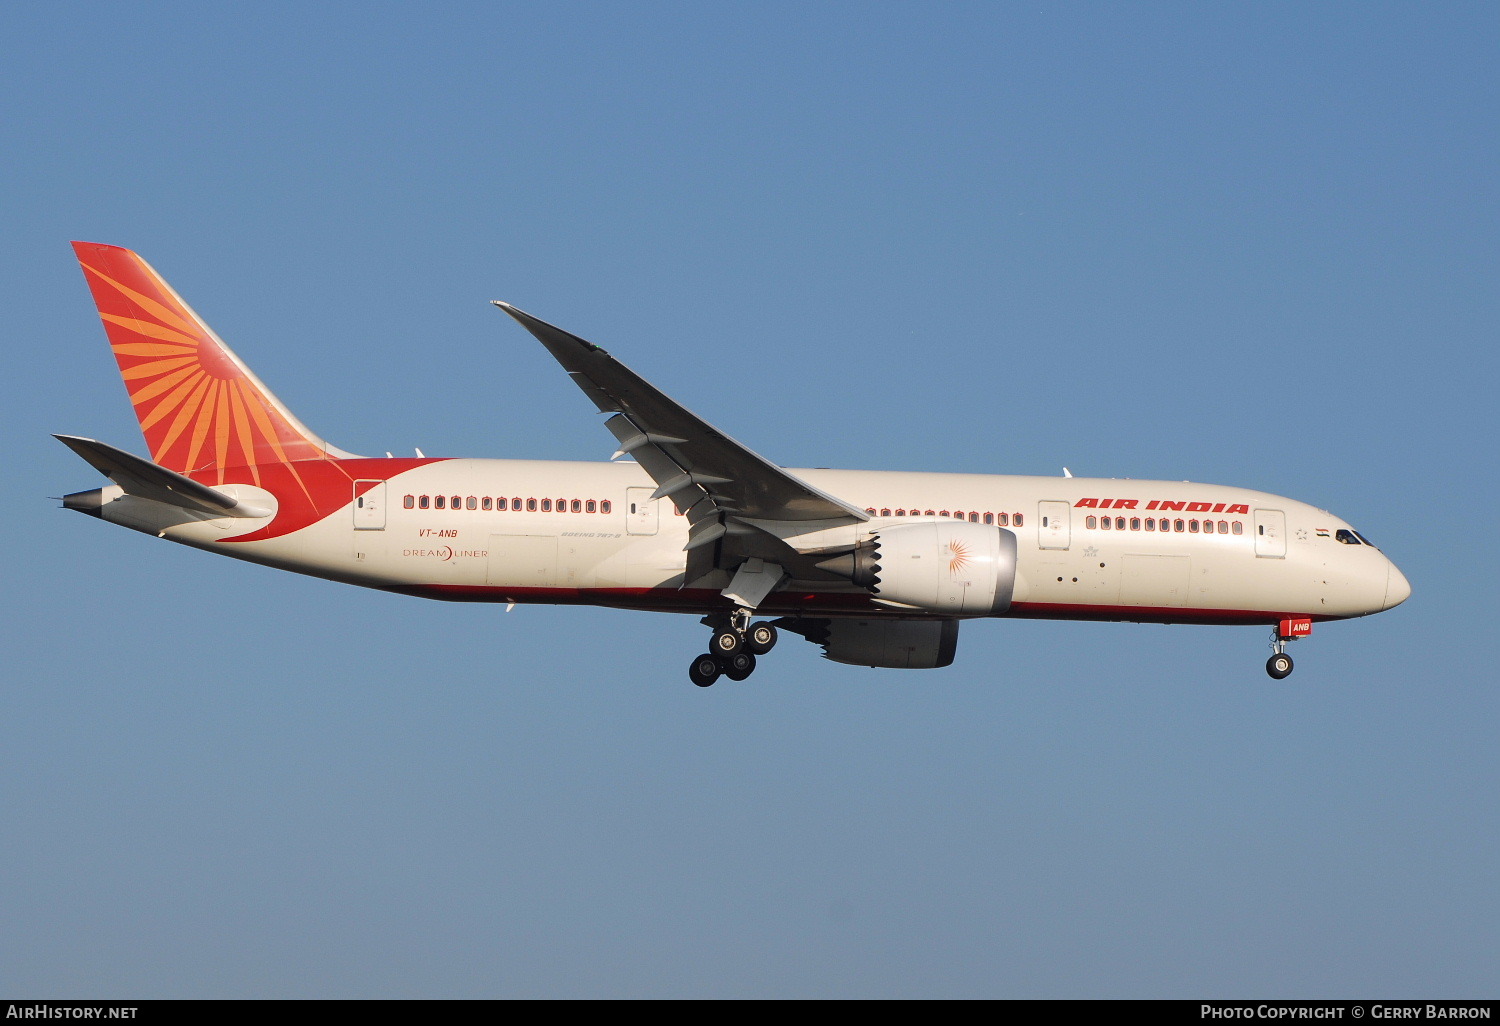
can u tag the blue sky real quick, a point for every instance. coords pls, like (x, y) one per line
(1252, 244)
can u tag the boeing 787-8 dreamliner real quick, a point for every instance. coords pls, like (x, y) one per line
(877, 567)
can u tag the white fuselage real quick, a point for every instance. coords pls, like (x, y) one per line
(1172, 551)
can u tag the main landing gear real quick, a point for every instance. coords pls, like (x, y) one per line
(736, 643)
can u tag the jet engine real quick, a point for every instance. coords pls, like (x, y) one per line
(941, 566)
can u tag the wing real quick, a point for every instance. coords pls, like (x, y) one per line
(713, 479)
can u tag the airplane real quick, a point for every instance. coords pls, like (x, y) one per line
(878, 568)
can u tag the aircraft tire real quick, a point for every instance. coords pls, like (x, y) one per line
(704, 670)
(1279, 666)
(726, 643)
(739, 666)
(760, 638)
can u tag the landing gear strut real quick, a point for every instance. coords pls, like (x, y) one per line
(736, 643)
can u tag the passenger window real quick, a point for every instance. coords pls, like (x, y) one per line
(442, 502)
(1223, 527)
(870, 510)
(885, 512)
(1091, 522)
(989, 518)
(1178, 525)
(605, 506)
(576, 505)
(1020, 520)
(531, 505)
(1239, 527)
(590, 506)
(1005, 520)
(1193, 526)
(409, 502)
(1150, 523)
(1104, 522)
(973, 518)
(546, 505)
(423, 502)
(471, 503)
(500, 502)
(488, 503)
(1135, 523)
(456, 502)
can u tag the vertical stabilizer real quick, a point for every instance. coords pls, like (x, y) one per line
(199, 406)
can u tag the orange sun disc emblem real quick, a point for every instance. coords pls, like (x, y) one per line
(958, 557)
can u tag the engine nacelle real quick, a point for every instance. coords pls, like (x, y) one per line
(894, 644)
(943, 566)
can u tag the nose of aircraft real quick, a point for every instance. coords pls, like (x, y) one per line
(1397, 588)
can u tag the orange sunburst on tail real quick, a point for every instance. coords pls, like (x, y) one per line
(200, 408)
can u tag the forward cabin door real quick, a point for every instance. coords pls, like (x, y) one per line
(1270, 533)
(1054, 524)
(369, 508)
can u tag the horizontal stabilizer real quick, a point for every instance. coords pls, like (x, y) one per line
(141, 477)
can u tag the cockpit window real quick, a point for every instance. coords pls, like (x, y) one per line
(1351, 537)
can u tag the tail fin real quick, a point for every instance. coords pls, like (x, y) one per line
(198, 405)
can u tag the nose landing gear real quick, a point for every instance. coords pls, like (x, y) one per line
(736, 643)
(1279, 666)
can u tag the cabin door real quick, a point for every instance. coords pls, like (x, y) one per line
(640, 511)
(1270, 533)
(369, 506)
(1054, 524)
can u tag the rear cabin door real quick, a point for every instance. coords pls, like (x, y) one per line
(1054, 524)
(369, 505)
(1270, 533)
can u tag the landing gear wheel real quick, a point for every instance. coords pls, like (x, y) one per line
(760, 638)
(704, 671)
(726, 642)
(739, 666)
(1279, 665)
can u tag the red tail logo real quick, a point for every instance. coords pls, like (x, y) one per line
(200, 408)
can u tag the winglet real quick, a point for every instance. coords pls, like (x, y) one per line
(554, 338)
